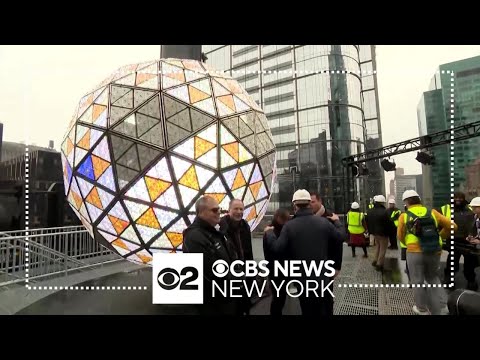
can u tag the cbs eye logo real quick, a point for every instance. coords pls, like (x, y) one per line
(169, 279)
(220, 268)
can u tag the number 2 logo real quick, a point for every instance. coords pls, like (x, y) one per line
(169, 278)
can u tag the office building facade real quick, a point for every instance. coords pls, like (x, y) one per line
(316, 119)
(434, 114)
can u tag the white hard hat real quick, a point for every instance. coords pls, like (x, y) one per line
(301, 195)
(380, 199)
(391, 201)
(475, 202)
(355, 205)
(409, 193)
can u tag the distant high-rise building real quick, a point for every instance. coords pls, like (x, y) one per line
(434, 114)
(317, 117)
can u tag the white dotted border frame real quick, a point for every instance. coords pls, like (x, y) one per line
(359, 72)
(452, 202)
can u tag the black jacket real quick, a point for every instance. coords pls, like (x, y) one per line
(268, 239)
(464, 218)
(201, 237)
(308, 237)
(379, 222)
(243, 242)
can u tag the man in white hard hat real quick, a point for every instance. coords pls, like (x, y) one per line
(311, 238)
(474, 237)
(417, 229)
(394, 214)
(380, 225)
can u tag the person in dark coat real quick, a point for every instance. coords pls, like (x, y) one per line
(238, 233)
(312, 238)
(202, 237)
(317, 206)
(280, 218)
(464, 218)
(237, 230)
(380, 226)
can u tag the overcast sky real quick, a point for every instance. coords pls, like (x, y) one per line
(41, 85)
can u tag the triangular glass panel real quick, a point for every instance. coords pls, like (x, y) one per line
(207, 106)
(118, 92)
(216, 187)
(145, 123)
(232, 125)
(107, 179)
(172, 106)
(94, 212)
(140, 96)
(181, 166)
(147, 233)
(86, 168)
(200, 120)
(130, 159)
(102, 149)
(85, 187)
(186, 148)
(164, 217)
(182, 119)
(176, 134)
(154, 136)
(127, 126)
(230, 176)
(226, 159)
(125, 175)
(247, 170)
(168, 199)
(119, 213)
(238, 194)
(152, 108)
(187, 194)
(146, 155)
(160, 171)
(131, 235)
(138, 191)
(117, 113)
(135, 209)
(126, 101)
(203, 175)
(210, 158)
(179, 226)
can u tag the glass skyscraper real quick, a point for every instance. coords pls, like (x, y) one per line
(317, 117)
(434, 115)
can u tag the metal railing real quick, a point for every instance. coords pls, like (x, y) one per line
(51, 252)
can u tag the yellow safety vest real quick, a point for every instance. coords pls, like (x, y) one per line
(354, 221)
(394, 213)
(419, 211)
(370, 206)
(446, 211)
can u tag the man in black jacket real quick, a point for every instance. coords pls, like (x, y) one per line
(311, 238)
(464, 218)
(202, 237)
(380, 226)
(238, 233)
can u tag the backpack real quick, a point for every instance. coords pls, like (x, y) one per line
(425, 229)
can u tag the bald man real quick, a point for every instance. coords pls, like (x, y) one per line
(203, 237)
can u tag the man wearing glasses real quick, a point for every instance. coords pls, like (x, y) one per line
(203, 237)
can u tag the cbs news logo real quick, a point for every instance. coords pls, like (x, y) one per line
(177, 278)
